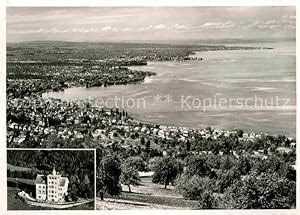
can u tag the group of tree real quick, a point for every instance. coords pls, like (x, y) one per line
(166, 170)
(111, 173)
(245, 182)
(212, 179)
(28, 174)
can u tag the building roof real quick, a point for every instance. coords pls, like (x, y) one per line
(63, 181)
(40, 179)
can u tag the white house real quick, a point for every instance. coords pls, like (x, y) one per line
(51, 188)
(41, 188)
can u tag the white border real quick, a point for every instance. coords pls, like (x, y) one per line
(45, 3)
(3, 166)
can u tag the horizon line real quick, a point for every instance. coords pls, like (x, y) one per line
(271, 39)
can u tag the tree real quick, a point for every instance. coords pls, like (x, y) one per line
(137, 162)
(108, 176)
(213, 161)
(264, 191)
(73, 189)
(192, 186)
(196, 165)
(244, 165)
(227, 178)
(197, 188)
(85, 185)
(290, 173)
(148, 146)
(154, 162)
(226, 163)
(209, 129)
(33, 173)
(271, 165)
(130, 175)
(188, 145)
(240, 133)
(207, 200)
(166, 171)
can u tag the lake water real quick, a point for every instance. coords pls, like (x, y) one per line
(253, 90)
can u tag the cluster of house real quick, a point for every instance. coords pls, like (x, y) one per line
(51, 188)
(35, 118)
(180, 133)
(45, 76)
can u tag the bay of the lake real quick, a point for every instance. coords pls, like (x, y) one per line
(253, 90)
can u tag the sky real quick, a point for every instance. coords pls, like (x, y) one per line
(148, 23)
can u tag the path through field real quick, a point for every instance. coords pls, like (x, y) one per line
(147, 196)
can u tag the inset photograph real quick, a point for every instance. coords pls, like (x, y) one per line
(50, 179)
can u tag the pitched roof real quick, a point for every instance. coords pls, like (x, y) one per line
(63, 181)
(40, 179)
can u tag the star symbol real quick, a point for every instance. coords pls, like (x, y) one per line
(157, 99)
(169, 98)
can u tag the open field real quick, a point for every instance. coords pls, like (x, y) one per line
(147, 196)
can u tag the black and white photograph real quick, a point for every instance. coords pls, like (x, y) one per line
(50, 179)
(186, 108)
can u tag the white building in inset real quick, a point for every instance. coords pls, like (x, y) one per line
(41, 188)
(51, 188)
